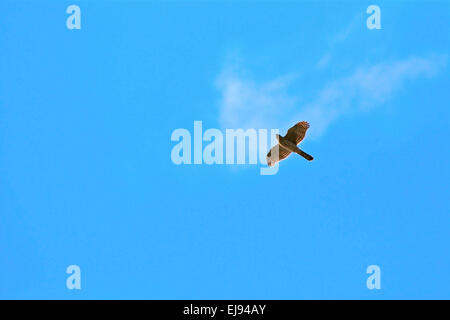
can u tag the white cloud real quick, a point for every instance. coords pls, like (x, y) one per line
(364, 89)
(338, 38)
(246, 103)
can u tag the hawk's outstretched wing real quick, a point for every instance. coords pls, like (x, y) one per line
(297, 132)
(277, 153)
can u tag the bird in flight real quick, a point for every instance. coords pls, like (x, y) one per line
(288, 144)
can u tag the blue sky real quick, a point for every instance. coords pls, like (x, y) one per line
(87, 179)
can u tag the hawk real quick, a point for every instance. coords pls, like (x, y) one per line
(288, 144)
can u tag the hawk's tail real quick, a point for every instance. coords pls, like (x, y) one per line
(304, 155)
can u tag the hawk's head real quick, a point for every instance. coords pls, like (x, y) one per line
(270, 160)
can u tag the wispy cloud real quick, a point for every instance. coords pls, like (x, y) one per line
(365, 88)
(338, 38)
(246, 103)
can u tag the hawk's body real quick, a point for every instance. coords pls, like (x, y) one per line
(288, 144)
